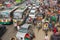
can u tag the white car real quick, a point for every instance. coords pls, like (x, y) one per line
(32, 13)
(25, 32)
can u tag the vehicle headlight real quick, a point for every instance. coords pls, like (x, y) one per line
(14, 20)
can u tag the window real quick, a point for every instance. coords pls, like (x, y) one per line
(17, 15)
(23, 30)
(4, 15)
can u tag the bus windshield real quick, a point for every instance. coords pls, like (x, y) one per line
(4, 15)
(17, 15)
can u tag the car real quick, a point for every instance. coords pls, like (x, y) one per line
(32, 13)
(25, 33)
(2, 30)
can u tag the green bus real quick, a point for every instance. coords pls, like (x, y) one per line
(6, 15)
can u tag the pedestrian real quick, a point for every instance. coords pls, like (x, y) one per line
(55, 30)
(15, 26)
(43, 20)
(58, 16)
(34, 22)
(53, 19)
(45, 27)
(39, 25)
(50, 26)
(46, 37)
(18, 27)
(53, 24)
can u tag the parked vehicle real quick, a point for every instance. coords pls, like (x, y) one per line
(2, 30)
(25, 33)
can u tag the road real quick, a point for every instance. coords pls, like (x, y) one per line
(11, 32)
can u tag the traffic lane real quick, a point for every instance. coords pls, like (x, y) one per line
(9, 33)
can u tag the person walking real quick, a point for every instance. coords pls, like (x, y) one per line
(46, 37)
(55, 29)
(45, 27)
(15, 26)
(50, 26)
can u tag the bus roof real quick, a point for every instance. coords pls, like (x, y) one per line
(6, 11)
(9, 10)
(21, 9)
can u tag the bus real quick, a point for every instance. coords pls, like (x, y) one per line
(18, 15)
(6, 15)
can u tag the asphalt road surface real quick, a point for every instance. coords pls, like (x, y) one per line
(11, 32)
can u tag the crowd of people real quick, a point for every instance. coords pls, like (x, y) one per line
(50, 19)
